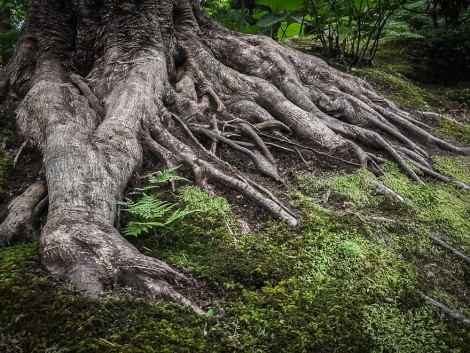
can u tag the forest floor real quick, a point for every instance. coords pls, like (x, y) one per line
(350, 278)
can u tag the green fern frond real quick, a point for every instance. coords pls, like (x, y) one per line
(165, 176)
(149, 212)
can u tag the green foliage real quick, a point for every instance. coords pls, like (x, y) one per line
(223, 12)
(14, 14)
(442, 55)
(283, 17)
(150, 211)
(276, 6)
(350, 30)
(436, 41)
(196, 199)
(19, 9)
(402, 332)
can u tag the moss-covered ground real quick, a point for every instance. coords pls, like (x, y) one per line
(349, 278)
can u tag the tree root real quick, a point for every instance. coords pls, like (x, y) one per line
(450, 248)
(22, 212)
(446, 310)
(178, 93)
(92, 257)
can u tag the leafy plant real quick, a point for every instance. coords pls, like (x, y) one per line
(283, 15)
(150, 211)
(350, 30)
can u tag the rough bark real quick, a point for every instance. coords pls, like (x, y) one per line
(100, 80)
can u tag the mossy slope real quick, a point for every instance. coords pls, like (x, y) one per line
(347, 280)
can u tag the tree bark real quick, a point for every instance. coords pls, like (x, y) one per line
(100, 80)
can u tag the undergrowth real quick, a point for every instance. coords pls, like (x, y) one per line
(148, 211)
(346, 280)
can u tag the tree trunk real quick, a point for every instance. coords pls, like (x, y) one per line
(100, 80)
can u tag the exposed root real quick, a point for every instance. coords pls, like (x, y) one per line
(163, 77)
(92, 257)
(20, 151)
(450, 248)
(22, 212)
(446, 310)
(383, 190)
(436, 175)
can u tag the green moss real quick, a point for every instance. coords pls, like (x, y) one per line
(43, 315)
(350, 187)
(395, 87)
(341, 281)
(460, 132)
(195, 199)
(456, 167)
(395, 330)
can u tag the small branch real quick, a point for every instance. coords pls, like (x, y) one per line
(444, 308)
(263, 164)
(20, 151)
(448, 247)
(279, 146)
(326, 197)
(216, 130)
(258, 141)
(286, 140)
(300, 155)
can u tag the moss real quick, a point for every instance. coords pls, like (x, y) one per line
(339, 282)
(44, 315)
(394, 330)
(456, 167)
(350, 187)
(395, 87)
(460, 132)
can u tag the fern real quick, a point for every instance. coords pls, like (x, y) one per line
(160, 177)
(149, 212)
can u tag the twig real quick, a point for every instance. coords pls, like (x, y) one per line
(448, 247)
(326, 197)
(286, 140)
(216, 130)
(20, 151)
(300, 155)
(444, 308)
(279, 146)
(258, 141)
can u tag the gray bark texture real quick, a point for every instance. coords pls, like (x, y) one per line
(102, 81)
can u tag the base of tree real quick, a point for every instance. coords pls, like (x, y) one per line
(101, 84)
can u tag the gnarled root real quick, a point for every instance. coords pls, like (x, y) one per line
(93, 256)
(23, 211)
(161, 76)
